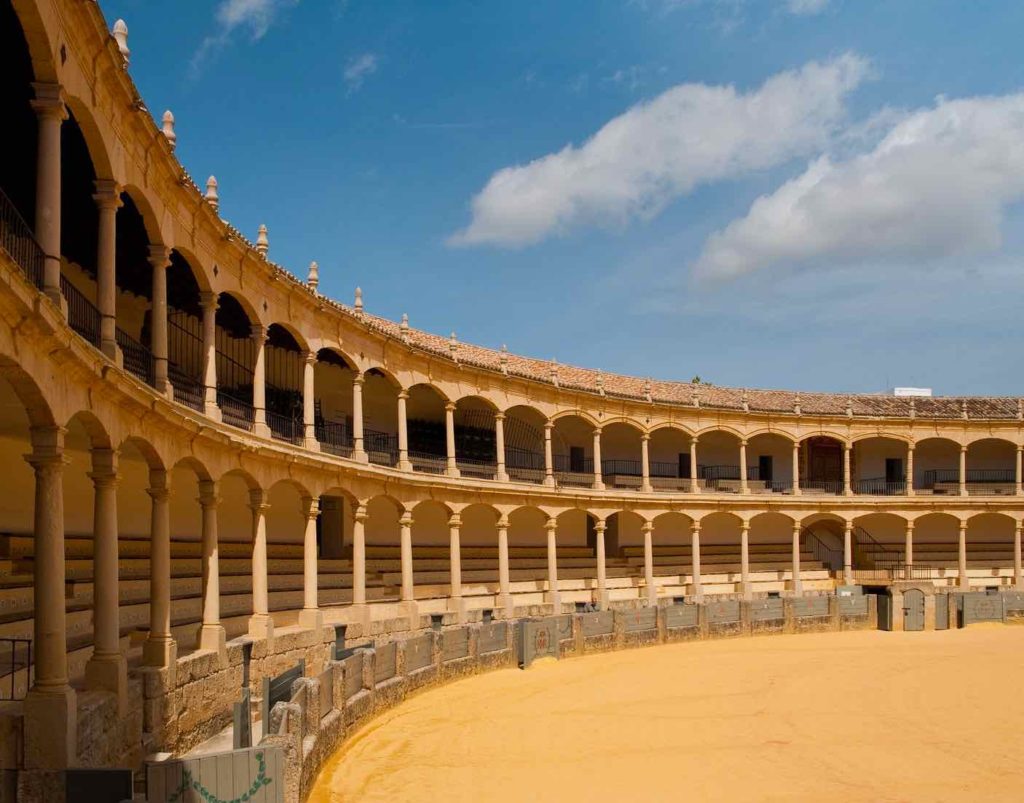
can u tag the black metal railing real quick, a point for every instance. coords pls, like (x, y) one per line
(564, 463)
(381, 447)
(479, 469)
(880, 486)
(727, 472)
(187, 391)
(235, 411)
(617, 467)
(516, 457)
(138, 360)
(334, 437)
(834, 487)
(663, 468)
(15, 667)
(83, 316)
(952, 475)
(286, 427)
(831, 558)
(428, 462)
(17, 239)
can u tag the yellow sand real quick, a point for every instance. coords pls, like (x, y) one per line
(849, 716)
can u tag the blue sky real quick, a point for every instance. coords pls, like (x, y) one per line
(813, 194)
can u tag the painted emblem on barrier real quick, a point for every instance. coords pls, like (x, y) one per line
(540, 641)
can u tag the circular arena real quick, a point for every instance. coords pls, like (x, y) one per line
(243, 522)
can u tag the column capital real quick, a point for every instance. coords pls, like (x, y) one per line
(963, 524)
(645, 437)
(600, 526)
(455, 520)
(743, 443)
(49, 100)
(208, 493)
(744, 525)
(402, 394)
(500, 416)
(450, 407)
(502, 523)
(551, 523)
(258, 332)
(208, 300)
(597, 432)
(910, 524)
(405, 520)
(258, 500)
(310, 507)
(1018, 525)
(647, 527)
(694, 440)
(104, 468)
(360, 377)
(1020, 447)
(695, 526)
(158, 493)
(108, 194)
(848, 526)
(159, 256)
(158, 479)
(963, 448)
(360, 513)
(549, 425)
(309, 357)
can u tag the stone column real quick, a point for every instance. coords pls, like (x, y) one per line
(359, 555)
(107, 670)
(1018, 576)
(211, 632)
(259, 381)
(261, 625)
(403, 432)
(745, 559)
(597, 467)
(908, 480)
(452, 469)
(554, 595)
(848, 553)
(962, 577)
(645, 463)
(908, 548)
(602, 572)
(744, 486)
(1017, 477)
(504, 582)
(108, 201)
(309, 440)
(694, 484)
(962, 474)
(358, 453)
(455, 565)
(405, 523)
(50, 113)
(847, 480)
(652, 590)
(208, 301)
(50, 712)
(796, 469)
(159, 261)
(698, 590)
(798, 582)
(549, 462)
(501, 475)
(160, 648)
(310, 616)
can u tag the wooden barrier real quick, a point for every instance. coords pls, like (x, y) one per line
(255, 775)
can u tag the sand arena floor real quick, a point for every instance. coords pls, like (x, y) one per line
(848, 716)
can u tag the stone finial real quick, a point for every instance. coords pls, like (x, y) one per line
(963, 408)
(262, 241)
(503, 359)
(359, 300)
(553, 373)
(849, 406)
(1020, 410)
(168, 129)
(745, 401)
(453, 346)
(796, 404)
(212, 198)
(403, 327)
(647, 390)
(120, 33)
(600, 382)
(313, 280)
(694, 397)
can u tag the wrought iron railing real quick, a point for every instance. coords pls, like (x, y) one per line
(138, 360)
(479, 469)
(187, 391)
(17, 239)
(831, 558)
(565, 463)
(952, 475)
(880, 486)
(428, 462)
(626, 468)
(334, 437)
(83, 316)
(235, 411)
(381, 447)
(662, 468)
(834, 487)
(285, 427)
(15, 667)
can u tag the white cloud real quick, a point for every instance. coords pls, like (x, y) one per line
(358, 69)
(254, 16)
(936, 185)
(807, 7)
(658, 150)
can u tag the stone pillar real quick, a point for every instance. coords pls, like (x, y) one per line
(698, 590)
(744, 487)
(208, 301)
(358, 453)
(50, 712)
(159, 261)
(504, 582)
(652, 590)
(798, 582)
(309, 440)
(847, 481)
(160, 648)
(549, 467)
(962, 577)
(50, 113)
(1018, 577)
(455, 565)
(211, 632)
(108, 200)
(908, 479)
(908, 548)
(962, 474)
(259, 381)
(745, 559)
(403, 432)
(645, 463)
(501, 475)
(1018, 480)
(598, 469)
(796, 469)
(261, 625)
(602, 572)
(452, 468)
(107, 670)
(405, 523)
(359, 555)
(554, 595)
(310, 616)
(694, 484)
(848, 553)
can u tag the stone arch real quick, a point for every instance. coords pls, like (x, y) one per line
(151, 221)
(41, 50)
(100, 150)
(479, 524)
(383, 512)
(936, 540)
(524, 443)
(669, 457)
(476, 436)
(572, 448)
(621, 453)
(624, 530)
(426, 422)
(718, 458)
(991, 466)
(770, 461)
(234, 514)
(526, 527)
(878, 464)
(430, 523)
(936, 465)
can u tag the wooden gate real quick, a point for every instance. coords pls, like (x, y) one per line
(913, 609)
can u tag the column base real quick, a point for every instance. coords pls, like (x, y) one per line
(312, 444)
(457, 605)
(410, 610)
(453, 472)
(160, 651)
(744, 589)
(312, 618)
(212, 638)
(55, 295)
(555, 599)
(549, 482)
(360, 456)
(796, 587)
(109, 673)
(212, 410)
(404, 465)
(50, 728)
(598, 486)
(501, 476)
(648, 488)
(601, 599)
(508, 606)
(261, 429)
(110, 349)
(261, 625)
